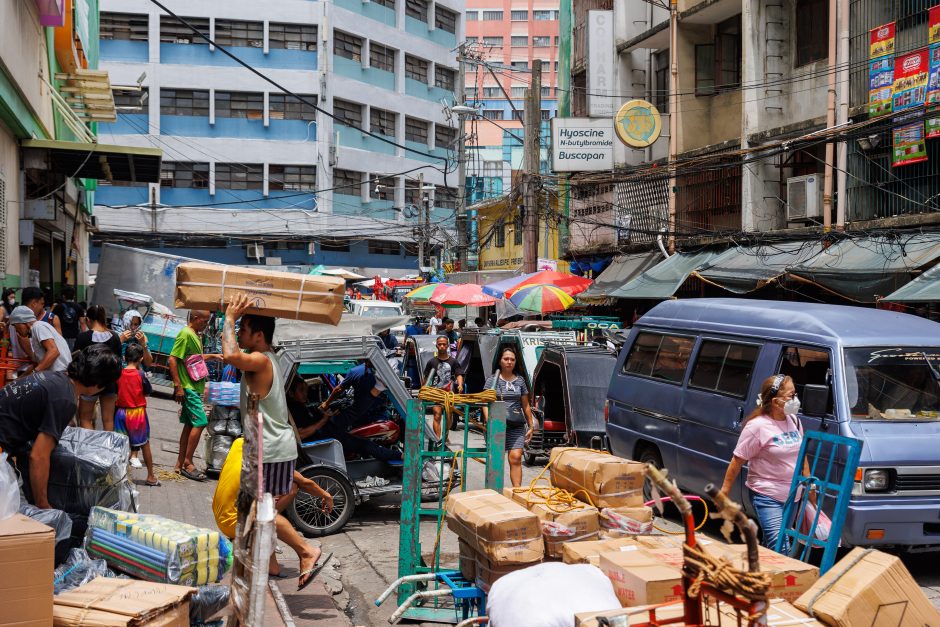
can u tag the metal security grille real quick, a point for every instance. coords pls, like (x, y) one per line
(709, 201)
(641, 211)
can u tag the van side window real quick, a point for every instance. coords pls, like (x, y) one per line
(724, 367)
(807, 366)
(660, 356)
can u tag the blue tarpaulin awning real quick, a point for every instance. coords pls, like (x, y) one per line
(744, 269)
(662, 280)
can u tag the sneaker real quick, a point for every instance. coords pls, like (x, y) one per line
(135, 463)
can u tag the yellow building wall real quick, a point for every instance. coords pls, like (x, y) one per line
(510, 255)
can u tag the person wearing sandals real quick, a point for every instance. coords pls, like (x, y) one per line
(510, 386)
(130, 417)
(98, 333)
(262, 376)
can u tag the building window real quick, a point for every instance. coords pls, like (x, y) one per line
(545, 92)
(519, 41)
(416, 130)
(412, 193)
(812, 31)
(519, 65)
(184, 102)
(542, 15)
(444, 77)
(184, 174)
(388, 4)
(381, 57)
(174, 32)
(239, 176)
(492, 92)
(495, 42)
(492, 16)
(347, 46)
(382, 122)
(378, 247)
(493, 114)
(286, 107)
(239, 34)
(704, 69)
(519, 16)
(546, 66)
(546, 114)
(292, 178)
(349, 113)
(292, 36)
(445, 198)
(417, 9)
(472, 16)
(445, 20)
(347, 182)
(470, 93)
(518, 114)
(660, 95)
(518, 92)
(517, 228)
(499, 233)
(541, 42)
(239, 104)
(123, 26)
(131, 100)
(416, 69)
(382, 188)
(718, 65)
(335, 246)
(444, 137)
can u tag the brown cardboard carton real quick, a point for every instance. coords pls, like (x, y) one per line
(779, 614)
(496, 527)
(789, 577)
(277, 294)
(635, 615)
(466, 560)
(105, 602)
(559, 522)
(483, 571)
(641, 579)
(27, 549)
(627, 520)
(598, 478)
(665, 540)
(868, 587)
(589, 551)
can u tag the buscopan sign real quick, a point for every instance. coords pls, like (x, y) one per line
(582, 144)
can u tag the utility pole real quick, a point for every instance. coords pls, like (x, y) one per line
(673, 117)
(530, 177)
(463, 233)
(422, 234)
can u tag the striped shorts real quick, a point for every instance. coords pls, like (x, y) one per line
(278, 477)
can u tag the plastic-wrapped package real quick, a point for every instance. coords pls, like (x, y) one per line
(55, 518)
(217, 447)
(158, 549)
(89, 468)
(77, 570)
(234, 426)
(208, 601)
(219, 412)
(217, 427)
(9, 489)
(224, 393)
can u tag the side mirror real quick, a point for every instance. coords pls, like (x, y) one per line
(815, 400)
(407, 381)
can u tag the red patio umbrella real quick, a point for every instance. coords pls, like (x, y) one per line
(465, 295)
(568, 283)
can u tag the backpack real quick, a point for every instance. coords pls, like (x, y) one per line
(69, 314)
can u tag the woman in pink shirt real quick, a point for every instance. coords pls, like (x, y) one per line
(770, 445)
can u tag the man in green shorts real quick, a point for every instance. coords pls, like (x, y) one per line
(188, 393)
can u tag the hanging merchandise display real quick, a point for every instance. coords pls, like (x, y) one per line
(881, 70)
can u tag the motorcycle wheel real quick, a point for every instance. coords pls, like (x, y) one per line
(305, 513)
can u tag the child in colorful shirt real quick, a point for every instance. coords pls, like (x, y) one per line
(130, 418)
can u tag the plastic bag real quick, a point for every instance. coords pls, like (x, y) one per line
(77, 570)
(224, 393)
(55, 518)
(9, 489)
(89, 468)
(234, 427)
(217, 447)
(207, 602)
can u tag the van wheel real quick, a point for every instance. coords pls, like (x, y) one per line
(650, 455)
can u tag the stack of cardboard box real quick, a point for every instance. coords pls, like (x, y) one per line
(27, 549)
(559, 522)
(598, 478)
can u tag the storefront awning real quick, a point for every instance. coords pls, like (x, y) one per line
(662, 281)
(621, 271)
(744, 269)
(923, 289)
(866, 269)
(98, 161)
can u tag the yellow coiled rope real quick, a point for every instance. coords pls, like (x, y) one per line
(449, 399)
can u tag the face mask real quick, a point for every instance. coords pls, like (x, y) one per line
(792, 406)
(11, 300)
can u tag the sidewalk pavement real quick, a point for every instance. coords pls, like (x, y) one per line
(191, 502)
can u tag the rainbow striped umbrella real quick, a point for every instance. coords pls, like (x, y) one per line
(541, 299)
(425, 292)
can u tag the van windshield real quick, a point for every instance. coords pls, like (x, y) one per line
(378, 311)
(893, 383)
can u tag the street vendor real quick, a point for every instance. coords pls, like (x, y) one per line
(34, 411)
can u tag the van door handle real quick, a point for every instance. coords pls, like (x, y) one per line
(740, 419)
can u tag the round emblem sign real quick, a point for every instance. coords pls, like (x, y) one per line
(638, 124)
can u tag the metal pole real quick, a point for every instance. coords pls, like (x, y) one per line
(463, 235)
(673, 117)
(532, 125)
(830, 118)
(842, 114)
(420, 221)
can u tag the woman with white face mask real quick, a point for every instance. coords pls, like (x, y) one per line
(770, 444)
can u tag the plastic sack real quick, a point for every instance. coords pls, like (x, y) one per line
(77, 570)
(217, 447)
(224, 393)
(549, 595)
(234, 427)
(9, 489)
(55, 518)
(208, 601)
(89, 468)
(823, 525)
(154, 548)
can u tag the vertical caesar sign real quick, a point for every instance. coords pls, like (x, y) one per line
(600, 66)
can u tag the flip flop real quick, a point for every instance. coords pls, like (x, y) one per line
(313, 572)
(153, 485)
(194, 474)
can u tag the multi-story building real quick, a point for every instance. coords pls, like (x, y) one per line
(252, 174)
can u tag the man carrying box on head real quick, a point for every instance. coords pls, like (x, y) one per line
(279, 443)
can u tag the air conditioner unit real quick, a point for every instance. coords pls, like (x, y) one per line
(255, 251)
(804, 198)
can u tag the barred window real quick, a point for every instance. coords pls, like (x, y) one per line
(416, 130)
(239, 104)
(382, 122)
(418, 9)
(470, 93)
(493, 114)
(348, 46)
(519, 16)
(496, 42)
(445, 137)
(389, 4)
(472, 16)
(131, 100)
(184, 174)
(545, 92)
(546, 114)
(493, 16)
(499, 233)
(335, 246)
(349, 113)
(378, 247)
(292, 178)
(541, 42)
(445, 197)
(517, 228)
(519, 41)
(518, 114)
(519, 65)
(292, 36)
(239, 176)
(492, 92)
(348, 182)
(416, 68)
(518, 92)
(544, 15)
(381, 57)
(382, 188)
(174, 32)
(412, 193)
(237, 33)
(444, 77)
(286, 107)
(123, 26)
(184, 102)
(445, 19)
